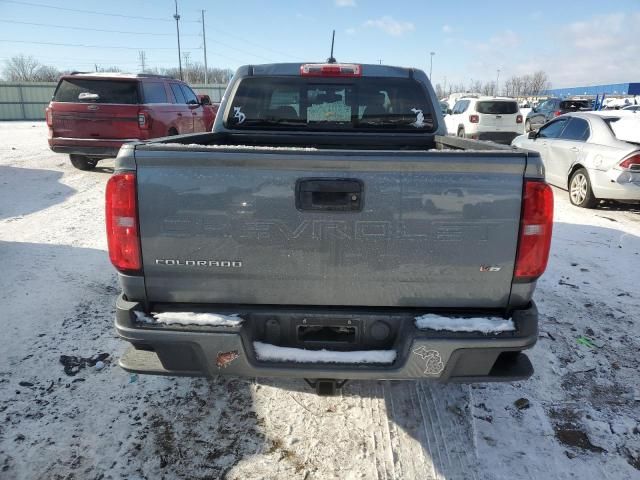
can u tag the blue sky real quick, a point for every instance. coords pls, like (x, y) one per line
(575, 43)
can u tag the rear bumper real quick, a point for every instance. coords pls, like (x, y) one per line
(209, 351)
(499, 137)
(89, 147)
(615, 185)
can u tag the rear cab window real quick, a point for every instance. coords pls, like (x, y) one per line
(332, 104)
(497, 107)
(83, 90)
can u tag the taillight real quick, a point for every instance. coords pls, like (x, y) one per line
(536, 225)
(144, 120)
(519, 119)
(330, 70)
(49, 116)
(557, 113)
(632, 162)
(474, 118)
(122, 223)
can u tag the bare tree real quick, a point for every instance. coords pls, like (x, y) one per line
(21, 69)
(539, 83)
(47, 73)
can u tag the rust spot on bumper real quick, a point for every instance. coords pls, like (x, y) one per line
(223, 359)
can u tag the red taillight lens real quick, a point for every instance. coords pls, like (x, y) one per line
(632, 162)
(330, 70)
(557, 113)
(519, 119)
(536, 226)
(144, 120)
(122, 223)
(49, 116)
(474, 118)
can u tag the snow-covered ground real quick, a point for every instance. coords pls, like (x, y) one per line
(68, 411)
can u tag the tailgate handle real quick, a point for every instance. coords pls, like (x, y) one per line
(329, 194)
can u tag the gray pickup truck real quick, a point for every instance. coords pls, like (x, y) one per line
(327, 229)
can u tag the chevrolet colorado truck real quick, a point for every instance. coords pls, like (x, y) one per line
(327, 229)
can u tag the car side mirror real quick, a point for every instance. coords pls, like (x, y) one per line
(204, 99)
(533, 134)
(449, 111)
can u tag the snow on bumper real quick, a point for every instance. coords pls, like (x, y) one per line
(194, 350)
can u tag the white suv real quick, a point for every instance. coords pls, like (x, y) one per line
(485, 118)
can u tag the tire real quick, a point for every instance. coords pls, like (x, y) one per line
(172, 132)
(580, 192)
(461, 132)
(527, 126)
(83, 163)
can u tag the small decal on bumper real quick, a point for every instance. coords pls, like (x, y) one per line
(223, 359)
(433, 361)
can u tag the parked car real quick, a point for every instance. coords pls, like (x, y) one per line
(92, 114)
(332, 218)
(595, 155)
(485, 118)
(632, 108)
(551, 108)
(444, 108)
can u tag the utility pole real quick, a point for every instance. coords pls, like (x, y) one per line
(142, 56)
(380, 61)
(187, 64)
(431, 67)
(204, 43)
(177, 17)
(497, 83)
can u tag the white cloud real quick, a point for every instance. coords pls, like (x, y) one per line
(601, 49)
(391, 26)
(345, 3)
(447, 28)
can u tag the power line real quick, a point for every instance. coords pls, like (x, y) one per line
(94, 29)
(90, 46)
(91, 12)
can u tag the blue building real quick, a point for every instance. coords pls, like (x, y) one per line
(614, 89)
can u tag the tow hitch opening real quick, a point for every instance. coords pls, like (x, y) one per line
(326, 387)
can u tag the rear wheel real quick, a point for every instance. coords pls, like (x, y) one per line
(461, 132)
(83, 163)
(580, 192)
(172, 132)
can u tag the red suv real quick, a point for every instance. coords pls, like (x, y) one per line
(93, 114)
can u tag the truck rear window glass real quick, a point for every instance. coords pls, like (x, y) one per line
(575, 105)
(497, 108)
(334, 104)
(97, 91)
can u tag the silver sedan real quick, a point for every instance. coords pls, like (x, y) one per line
(594, 155)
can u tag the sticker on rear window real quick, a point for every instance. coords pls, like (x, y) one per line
(419, 123)
(329, 112)
(237, 114)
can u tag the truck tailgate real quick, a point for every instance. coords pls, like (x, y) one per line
(329, 227)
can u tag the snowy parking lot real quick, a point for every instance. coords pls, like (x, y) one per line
(68, 411)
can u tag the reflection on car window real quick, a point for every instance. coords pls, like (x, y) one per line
(577, 129)
(177, 92)
(553, 129)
